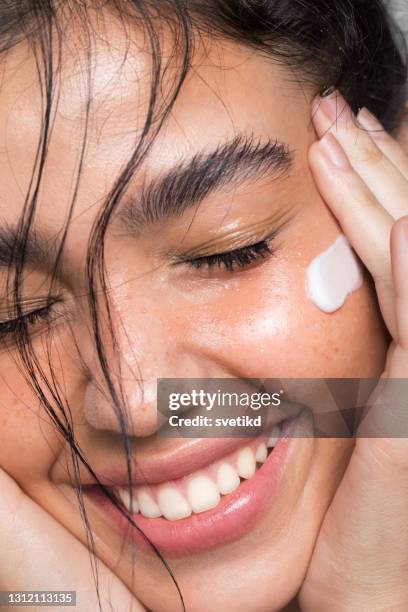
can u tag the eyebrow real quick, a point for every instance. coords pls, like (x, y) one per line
(37, 248)
(187, 184)
(169, 195)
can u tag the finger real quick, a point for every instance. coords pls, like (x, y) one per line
(388, 145)
(399, 258)
(381, 176)
(38, 554)
(386, 415)
(365, 222)
(364, 535)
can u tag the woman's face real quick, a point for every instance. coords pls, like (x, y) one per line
(176, 320)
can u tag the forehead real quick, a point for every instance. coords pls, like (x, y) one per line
(101, 97)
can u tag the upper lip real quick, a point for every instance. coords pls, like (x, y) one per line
(189, 456)
(170, 465)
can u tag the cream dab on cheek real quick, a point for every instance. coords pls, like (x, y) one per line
(333, 276)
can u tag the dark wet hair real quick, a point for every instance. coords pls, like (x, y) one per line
(350, 44)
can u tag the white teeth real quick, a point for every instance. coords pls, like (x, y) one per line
(173, 504)
(227, 478)
(261, 453)
(246, 464)
(147, 505)
(125, 497)
(274, 437)
(202, 494)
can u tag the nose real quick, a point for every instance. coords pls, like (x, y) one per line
(149, 343)
(134, 400)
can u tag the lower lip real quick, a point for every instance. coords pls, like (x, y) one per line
(235, 515)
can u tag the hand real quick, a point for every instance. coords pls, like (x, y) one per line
(37, 553)
(360, 562)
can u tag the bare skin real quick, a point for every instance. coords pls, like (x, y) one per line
(187, 322)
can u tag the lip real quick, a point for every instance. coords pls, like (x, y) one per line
(231, 519)
(188, 457)
(181, 461)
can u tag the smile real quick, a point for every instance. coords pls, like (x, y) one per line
(215, 504)
(202, 490)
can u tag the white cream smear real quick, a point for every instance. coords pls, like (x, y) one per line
(333, 276)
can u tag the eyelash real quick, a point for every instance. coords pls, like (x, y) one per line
(13, 326)
(239, 258)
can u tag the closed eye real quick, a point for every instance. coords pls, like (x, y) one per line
(233, 260)
(27, 322)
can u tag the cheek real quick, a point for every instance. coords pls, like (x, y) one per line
(29, 443)
(266, 326)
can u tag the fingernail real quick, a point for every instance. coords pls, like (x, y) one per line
(368, 121)
(336, 108)
(334, 152)
(328, 91)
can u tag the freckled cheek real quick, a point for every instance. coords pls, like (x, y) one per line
(29, 442)
(269, 327)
